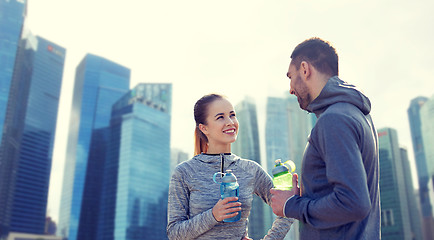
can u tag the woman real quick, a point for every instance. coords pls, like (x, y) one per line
(195, 208)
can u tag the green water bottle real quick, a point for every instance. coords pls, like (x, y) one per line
(282, 174)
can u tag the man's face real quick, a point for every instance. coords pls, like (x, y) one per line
(298, 86)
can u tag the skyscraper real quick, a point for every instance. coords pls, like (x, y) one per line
(286, 132)
(138, 167)
(287, 129)
(28, 136)
(177, 156)
(427, 127)
(413, 203)
(424, 177)
(247, 146)
(99, 83)
(12, 14)
(395, 217)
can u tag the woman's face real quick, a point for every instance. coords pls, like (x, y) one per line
(221, 126)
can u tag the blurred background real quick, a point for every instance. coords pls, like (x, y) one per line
(97, 99)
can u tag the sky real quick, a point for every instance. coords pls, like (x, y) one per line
(241, 48)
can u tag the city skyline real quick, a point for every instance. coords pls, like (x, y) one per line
(241, 50)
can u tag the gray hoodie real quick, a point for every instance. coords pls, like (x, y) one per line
(193, 194)
(339, 177)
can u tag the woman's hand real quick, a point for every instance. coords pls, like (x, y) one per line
(223, 207)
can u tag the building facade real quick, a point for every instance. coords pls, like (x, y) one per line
(99, 83)
(395, 217)
(414, 209)
(247, 146)
(12, 14)
(426, 185)
(138, 168)
(177, 156)
(29, 131)
(286, 132)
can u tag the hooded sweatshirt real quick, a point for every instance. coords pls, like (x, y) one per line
(193, 194)
(340, 197)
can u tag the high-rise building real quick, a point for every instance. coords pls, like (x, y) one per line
(418, 134)
(287, 129)
(247, 146)
(137, 171)
(99, 83)
(427, 127)
(12, 14)
(286, 132)
(395, 217)
(28, 133)
(413, 203)
(177, 156)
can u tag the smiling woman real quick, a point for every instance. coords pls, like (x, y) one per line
(216, 124)
(195, 207)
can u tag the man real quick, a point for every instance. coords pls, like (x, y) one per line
(340, 196)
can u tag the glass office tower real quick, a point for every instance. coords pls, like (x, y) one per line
(413, 203)
(247, 146)
(287, 129)
(286, 132)
(137, 171)
(29, 130)
(395, 218)
(427, 127)
(99, 83)
(12, 14)
(425, 183)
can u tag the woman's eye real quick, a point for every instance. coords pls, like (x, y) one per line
(219, 117)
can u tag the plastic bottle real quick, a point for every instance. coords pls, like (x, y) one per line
(282, 174)
(229, 188)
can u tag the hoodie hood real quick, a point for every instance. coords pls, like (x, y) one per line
(336, 91)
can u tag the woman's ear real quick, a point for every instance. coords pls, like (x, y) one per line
(203, 128)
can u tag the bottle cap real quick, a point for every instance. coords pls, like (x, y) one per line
(229, 177)
(279, 167)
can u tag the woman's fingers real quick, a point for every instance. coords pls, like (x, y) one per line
(226, 208)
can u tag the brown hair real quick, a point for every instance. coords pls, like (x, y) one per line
(319, 53)
(200, 115)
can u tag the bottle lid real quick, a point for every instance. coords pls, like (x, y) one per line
(229, 177)
(279, 167)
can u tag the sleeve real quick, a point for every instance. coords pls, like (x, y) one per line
(179, 225)
(263, 184)
(337, 140)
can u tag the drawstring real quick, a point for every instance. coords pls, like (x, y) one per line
(223, 163)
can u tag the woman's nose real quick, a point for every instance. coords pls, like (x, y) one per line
(229, 121)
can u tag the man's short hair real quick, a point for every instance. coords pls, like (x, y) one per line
(317, 52)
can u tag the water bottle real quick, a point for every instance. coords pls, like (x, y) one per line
(282, 174)
(229, 188)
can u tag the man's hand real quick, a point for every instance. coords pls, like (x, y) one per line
(279, 197)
